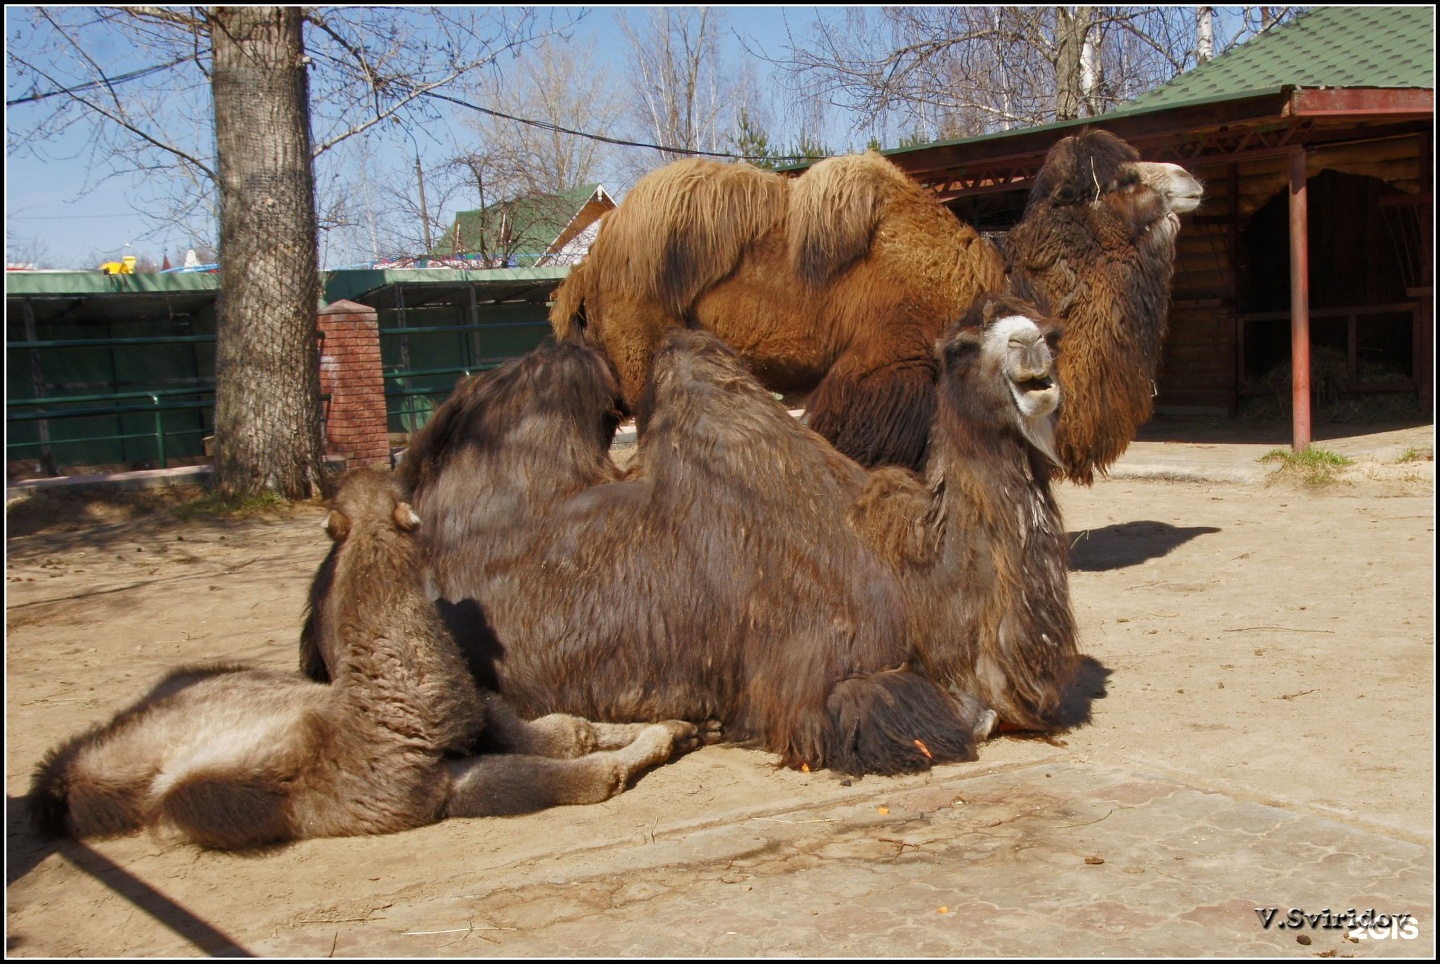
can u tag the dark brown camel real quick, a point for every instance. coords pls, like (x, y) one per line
(745, 572)
(719, 581)
(979, 542)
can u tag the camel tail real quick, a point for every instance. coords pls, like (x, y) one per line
(63, 802)
(49, 799)
(567, 311)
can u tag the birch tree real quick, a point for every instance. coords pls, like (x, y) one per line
(957, 71)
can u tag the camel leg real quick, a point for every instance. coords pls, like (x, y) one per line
(877, 414)
(507, 784)
(560, 735)
(557, 735)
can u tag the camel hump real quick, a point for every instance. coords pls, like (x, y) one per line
(682, 229)
(834, 210)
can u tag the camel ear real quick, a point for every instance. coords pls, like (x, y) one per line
(336, 525)
(405, 517)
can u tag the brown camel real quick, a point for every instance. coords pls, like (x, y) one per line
(842, 280)
(1097, 247)
(719, 581)
(838, 281)
(234, 758)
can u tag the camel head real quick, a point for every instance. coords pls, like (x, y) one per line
(564, 393)
(1002, 357)
(368, 497)
(1097, 170)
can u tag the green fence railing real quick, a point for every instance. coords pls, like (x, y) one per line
(157, 433)
(413, 389)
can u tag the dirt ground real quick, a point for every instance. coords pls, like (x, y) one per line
(1272, 643)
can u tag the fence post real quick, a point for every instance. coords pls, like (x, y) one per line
(159, 431)
(352, 375)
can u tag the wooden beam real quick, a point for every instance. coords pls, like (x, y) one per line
(1362, 102)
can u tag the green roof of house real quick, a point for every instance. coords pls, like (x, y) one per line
(1323, 47)
(534, 222)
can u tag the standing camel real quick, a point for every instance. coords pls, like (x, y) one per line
(839, 282)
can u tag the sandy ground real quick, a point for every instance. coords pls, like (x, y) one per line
(1272, 644)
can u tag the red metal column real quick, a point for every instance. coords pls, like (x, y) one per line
(1299, 305)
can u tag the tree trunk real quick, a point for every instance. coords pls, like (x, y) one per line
(267, 375)
(1071, 26)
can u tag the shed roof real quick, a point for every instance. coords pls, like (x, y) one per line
(1307, 82)
(1327, 47)
(534, 224)
(1381, 47)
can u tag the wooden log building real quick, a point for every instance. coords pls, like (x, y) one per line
(1315, 142)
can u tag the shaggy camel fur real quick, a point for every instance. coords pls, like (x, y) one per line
(233, 758)
(979, 542)
(719, 581)
(842, 280)
(1097, 247)
(839, 281)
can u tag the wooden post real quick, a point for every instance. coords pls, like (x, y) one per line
(1299, 305)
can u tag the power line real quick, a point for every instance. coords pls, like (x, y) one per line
(546, 125)
(543, 125)
(102, 82)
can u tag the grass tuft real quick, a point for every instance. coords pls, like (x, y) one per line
(1311, 466)
(1416, 455)
(215, 504)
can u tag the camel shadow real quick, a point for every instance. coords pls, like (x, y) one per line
(25, 850)
(481, 649)
(1128, 544)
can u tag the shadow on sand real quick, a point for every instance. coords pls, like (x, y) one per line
(1127, 544)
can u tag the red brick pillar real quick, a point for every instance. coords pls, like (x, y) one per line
(351, 374)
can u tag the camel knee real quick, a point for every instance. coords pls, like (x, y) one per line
(558, 735)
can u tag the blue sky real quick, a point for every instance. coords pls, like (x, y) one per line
(50, 210)
(53, 209)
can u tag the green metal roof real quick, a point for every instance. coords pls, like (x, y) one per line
(534, 223)
(497, 284)
(1364, 47)
(78, 283)
(492, 285)
(1382, 47)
